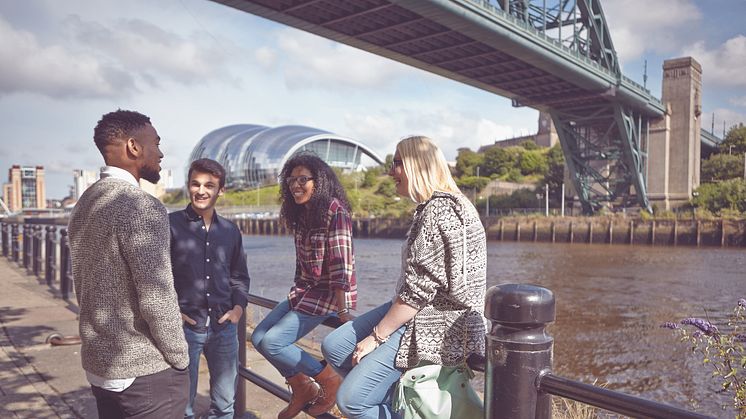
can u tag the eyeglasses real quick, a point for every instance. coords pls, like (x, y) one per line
(395, 163)
(302, 180)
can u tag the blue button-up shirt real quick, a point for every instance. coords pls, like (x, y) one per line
(209, 266)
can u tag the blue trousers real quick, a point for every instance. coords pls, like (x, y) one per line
(221, 350)
(367, 389)
(275, 338)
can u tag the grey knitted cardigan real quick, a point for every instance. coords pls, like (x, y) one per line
(130, 323)
(450, 298)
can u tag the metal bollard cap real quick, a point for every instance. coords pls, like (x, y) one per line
(519, 304)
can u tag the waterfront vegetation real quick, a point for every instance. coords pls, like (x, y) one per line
(721, 350)
(372, 193)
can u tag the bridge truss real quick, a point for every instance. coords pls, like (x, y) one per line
(552, 55)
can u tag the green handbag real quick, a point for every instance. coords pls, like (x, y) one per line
(433, 391)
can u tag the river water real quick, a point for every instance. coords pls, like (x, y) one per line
(610, 300)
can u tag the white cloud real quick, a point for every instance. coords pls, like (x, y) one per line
(53, 70)
(313, 61)
(724, 65)
(638, 26)
(738, 101)
(266, 57)
(105, 59)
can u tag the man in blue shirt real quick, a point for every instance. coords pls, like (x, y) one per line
(212, 282)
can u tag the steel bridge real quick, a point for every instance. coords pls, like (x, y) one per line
(552, 55)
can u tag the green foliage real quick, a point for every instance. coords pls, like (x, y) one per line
(722, 351)
(175, 197)
(266, 196)
(714, 197)
(387, 188)
(469, 183)
(467, 162)
(734, 141)
(529, 145)
(522, 198)
(533, 162)
(722, 167)
(370, 176)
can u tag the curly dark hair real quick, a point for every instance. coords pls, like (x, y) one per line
(117, 125)
(326, 188)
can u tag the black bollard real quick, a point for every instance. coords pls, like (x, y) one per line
(518, 350)
(50, 254)
(65, 265)
(14, 241)
(27, 237)
(36, 251)
(4, 232)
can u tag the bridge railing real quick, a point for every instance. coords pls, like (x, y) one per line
(518, 380)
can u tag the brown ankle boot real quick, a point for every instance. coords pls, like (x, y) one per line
(329, 382)
(304, 391)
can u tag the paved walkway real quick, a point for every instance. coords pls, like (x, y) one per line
(40, 381)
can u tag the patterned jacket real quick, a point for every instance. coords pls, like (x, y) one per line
(444, 276)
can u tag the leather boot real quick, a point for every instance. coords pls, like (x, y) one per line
(329, 381)
(304, 391)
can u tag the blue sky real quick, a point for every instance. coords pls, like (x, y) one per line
(194, 66)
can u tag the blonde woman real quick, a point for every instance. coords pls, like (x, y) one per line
(439, 298)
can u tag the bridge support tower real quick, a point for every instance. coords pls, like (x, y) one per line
(675, 144)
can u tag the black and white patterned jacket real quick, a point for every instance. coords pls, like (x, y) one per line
(448, 294)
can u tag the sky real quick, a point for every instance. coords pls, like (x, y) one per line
(194, 66)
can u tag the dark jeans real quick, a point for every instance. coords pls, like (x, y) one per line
(162, 395)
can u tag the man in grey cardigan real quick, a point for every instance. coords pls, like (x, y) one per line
(134, 352)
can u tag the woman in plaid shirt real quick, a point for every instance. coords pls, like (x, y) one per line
(315, 207)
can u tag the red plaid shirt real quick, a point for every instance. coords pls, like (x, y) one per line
(324, 262)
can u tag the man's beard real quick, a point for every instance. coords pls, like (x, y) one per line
(151, 175)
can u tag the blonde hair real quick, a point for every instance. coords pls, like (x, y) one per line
(426, 168)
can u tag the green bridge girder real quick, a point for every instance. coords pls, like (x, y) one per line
(552, 55)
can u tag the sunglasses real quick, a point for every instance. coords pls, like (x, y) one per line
(395, 163)
(302, 180)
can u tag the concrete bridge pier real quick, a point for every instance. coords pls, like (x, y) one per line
(675, 146)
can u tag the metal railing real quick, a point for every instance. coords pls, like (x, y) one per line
(518, 368)
(518, 381)
(38, 250)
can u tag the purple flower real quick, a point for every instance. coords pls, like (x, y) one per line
(697, 334)
(670, 325)
(706, 327)
(742, 302)
(740, 337)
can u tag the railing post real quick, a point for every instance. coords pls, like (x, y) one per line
(50, 254)
(240, 407)
(518, 350)
(4, 232)
(27, 245)
(14, 241)
(65, 268)
(36, 251)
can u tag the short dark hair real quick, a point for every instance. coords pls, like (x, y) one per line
(208, 166)
(326, 188)
(116, 125)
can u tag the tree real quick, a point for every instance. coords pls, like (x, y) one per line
(533, 162)
(728, 194)
(469, 183)
(467, 162)
(555, 176)
(735, 141)
(722, 167)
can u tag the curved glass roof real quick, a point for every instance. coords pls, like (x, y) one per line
(254, 154)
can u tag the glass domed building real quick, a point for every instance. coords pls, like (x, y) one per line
(254, 154)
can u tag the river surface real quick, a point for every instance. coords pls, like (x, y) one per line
(610, 301)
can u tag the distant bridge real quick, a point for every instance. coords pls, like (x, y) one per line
(553, 55)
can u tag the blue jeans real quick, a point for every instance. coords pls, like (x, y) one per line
(221, 350)
(275, 338)
(367, 388)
